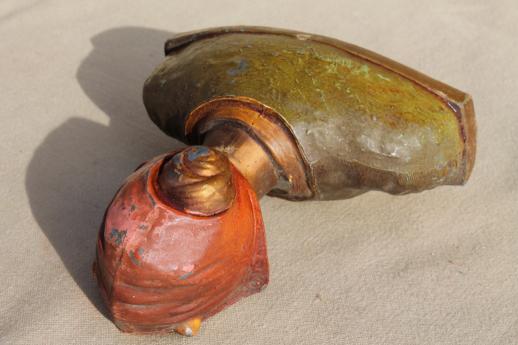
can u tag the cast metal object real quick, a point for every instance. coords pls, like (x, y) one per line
(269, 111)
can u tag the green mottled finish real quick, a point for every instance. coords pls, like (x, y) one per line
(346, 113)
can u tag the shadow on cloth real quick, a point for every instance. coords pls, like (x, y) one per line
(76, 170)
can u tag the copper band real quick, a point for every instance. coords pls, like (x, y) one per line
(268, 128)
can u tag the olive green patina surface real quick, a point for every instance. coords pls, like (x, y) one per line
(360, 125)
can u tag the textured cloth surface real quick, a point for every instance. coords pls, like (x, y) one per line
(438, 267)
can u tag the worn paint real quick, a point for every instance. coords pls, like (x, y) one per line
(348, 113)
(194, 152)
(185, 275)
(117, 236)
(241, 68)
(178, 268)
(311, 75)
(133, 257)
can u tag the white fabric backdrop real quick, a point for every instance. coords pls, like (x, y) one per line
(431, 268)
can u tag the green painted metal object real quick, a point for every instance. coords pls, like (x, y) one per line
(361, 121)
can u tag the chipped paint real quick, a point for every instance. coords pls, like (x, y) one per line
(134, 258)
(303, 37)
(382, 77)
(185, 275)
(195, 152)
(117, 235)
(242, 66)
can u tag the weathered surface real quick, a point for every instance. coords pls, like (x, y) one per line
(160, 269)
(362, 121)
(197, 180)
